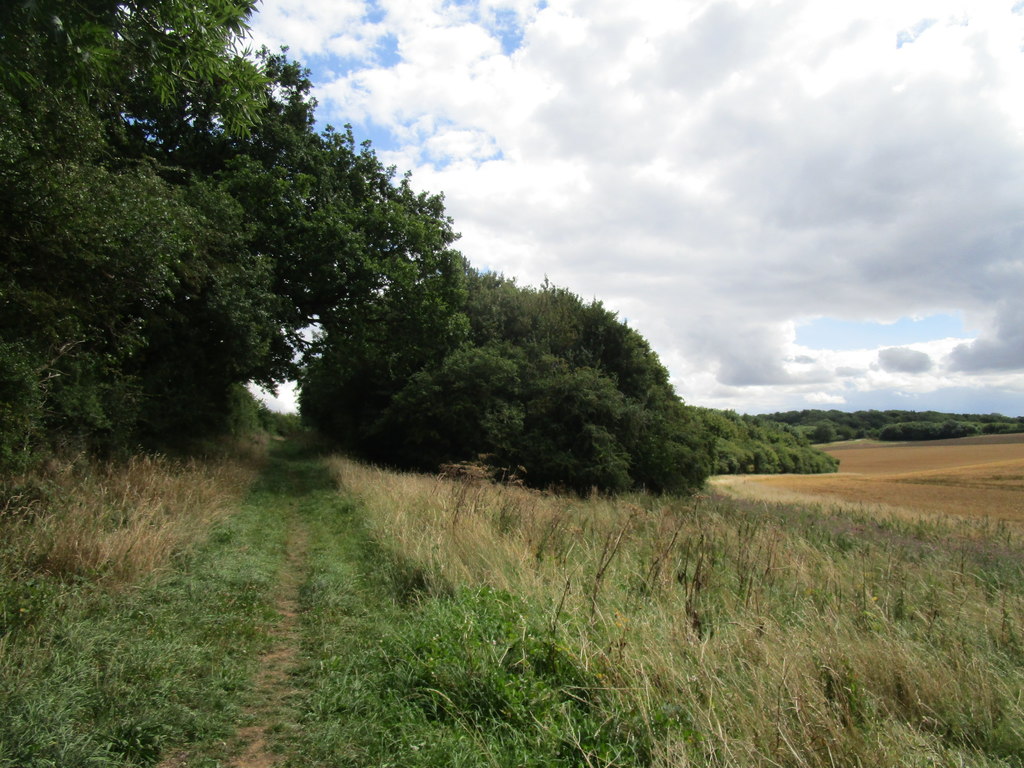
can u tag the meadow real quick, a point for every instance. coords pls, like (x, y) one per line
(321, 612)
(639, 630)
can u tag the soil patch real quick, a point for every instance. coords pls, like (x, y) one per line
(273, 688)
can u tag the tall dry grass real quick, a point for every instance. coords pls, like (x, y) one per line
(747, 634)
(116, 522)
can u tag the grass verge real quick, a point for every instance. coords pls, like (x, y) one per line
(668, 632)
(396, 674)
(458, 623)
(102, 671)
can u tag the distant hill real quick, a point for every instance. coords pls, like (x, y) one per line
(828, 426)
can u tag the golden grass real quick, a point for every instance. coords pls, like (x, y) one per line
(116, 522)
(767, 636)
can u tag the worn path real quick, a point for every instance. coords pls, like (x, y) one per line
(294, 490)
(273, 704)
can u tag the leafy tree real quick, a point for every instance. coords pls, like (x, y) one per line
(467, 406)
(115, 55)
(171, 222)
(113, 258)
(752, 444)
(544, 383)
(824, 432)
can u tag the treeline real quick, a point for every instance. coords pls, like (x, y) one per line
(171, 221)
(544, 386)
(822, 426)
(173, 224)
(746, 444)
(547, 388)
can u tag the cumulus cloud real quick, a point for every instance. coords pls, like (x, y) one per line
(316, 27)
(904, 360)
(716, 170)
(845, 371)
(1001, 350)
(824, 398)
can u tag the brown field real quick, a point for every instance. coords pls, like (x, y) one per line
(971, 477)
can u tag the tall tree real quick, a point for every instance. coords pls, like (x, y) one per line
(172, 222)
(96, 241)
(544, 385)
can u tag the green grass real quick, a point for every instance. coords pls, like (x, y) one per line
(454, 624)
(699, 632)
(398, 676)
(97, 676)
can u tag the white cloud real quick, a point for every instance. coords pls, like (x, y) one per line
(311, 27)
(904, 360)
(1002, 349)
(717, 170)
(284, 401)
(824, 398)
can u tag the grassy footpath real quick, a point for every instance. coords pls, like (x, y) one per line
(189, 665)
(412, 621)
(396, 675)
(94, 673)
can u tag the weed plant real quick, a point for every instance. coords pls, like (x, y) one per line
(401, 675)
(703, 631)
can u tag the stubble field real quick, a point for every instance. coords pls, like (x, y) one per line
(971, 477)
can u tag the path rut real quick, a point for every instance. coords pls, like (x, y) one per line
(273, 684)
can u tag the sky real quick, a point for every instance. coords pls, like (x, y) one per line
(800, 204)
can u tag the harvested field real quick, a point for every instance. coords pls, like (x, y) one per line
(972, 477)
(873, 458)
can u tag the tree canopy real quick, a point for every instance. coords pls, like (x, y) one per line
(539, 384)
(171, 221)
(174, 226)
(828, 426)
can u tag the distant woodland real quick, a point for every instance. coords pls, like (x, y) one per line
(830, 426)
(174, 226)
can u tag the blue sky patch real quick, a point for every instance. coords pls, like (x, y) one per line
(909, 35)
(387, 51)
(831, 333)
(508, 30)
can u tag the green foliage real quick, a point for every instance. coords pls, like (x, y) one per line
(171, 223)
(928, 430)
(20, 406)
(545, 387)
(119, 54)
(752, 444)
(828, 426)
(104, 252)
